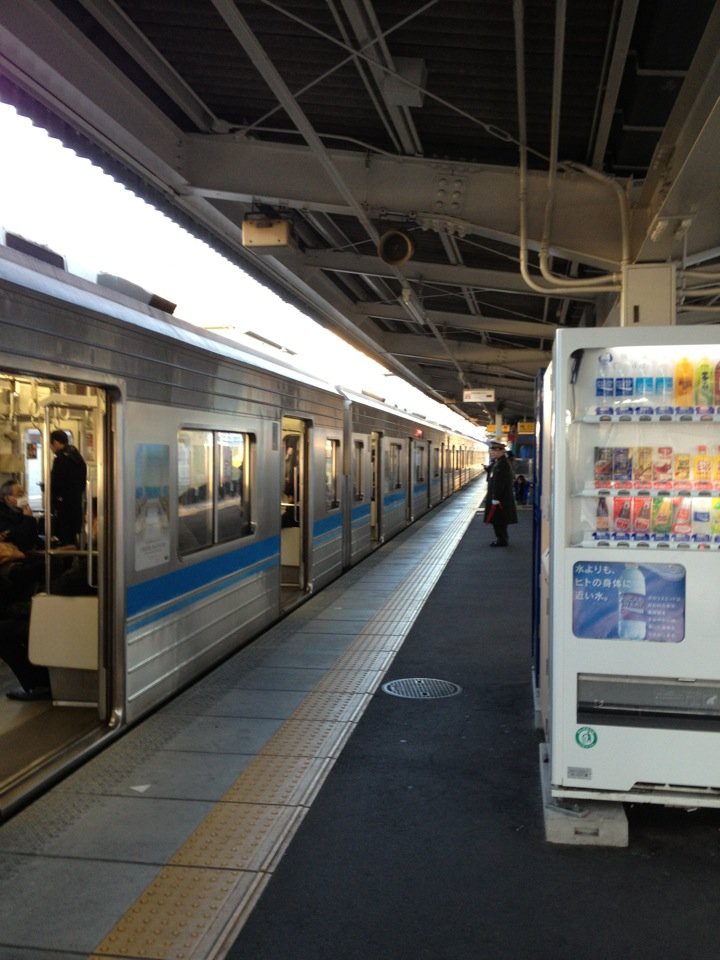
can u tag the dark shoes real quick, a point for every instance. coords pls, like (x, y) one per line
(496, 543)
(37, 693)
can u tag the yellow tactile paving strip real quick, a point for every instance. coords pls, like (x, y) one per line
(196, 906)
(178, 912)
(270, 779)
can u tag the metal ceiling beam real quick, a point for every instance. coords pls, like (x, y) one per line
(244, 35)
(421, 271)
(474, 324)
(366, 28)
(127, 35)
(680, 201)
(621, 46)
(462, 199)
(407, 345)
(45, 54)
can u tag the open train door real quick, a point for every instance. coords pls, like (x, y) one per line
(66, 624)
(54, 609)
(293, 506)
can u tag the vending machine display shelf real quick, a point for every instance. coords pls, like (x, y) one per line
(640, 491)
(681, 545)
(665, 418)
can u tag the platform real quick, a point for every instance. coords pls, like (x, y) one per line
(288, 808)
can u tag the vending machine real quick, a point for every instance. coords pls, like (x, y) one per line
(632, 505)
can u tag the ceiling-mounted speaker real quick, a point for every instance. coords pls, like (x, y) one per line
(395, 247)
(265, 232)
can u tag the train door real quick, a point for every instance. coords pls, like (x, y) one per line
(376, 494)
(411, 504)
(72, 591)
(293, 505)
(54, 598)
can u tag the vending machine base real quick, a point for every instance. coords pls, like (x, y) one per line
(599, 823)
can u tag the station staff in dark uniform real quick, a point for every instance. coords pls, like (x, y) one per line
(500, 507)
(67, 489)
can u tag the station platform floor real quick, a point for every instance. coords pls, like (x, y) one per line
(286, 807)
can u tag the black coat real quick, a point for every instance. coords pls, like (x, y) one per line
(22, 529)
(67, 489)
(500, 487)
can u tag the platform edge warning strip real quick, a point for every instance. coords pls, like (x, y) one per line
(222, 885)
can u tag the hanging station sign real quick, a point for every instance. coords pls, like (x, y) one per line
(479, 396)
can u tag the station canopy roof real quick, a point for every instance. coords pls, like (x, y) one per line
(432, 180)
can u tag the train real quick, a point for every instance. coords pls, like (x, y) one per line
(224, 487)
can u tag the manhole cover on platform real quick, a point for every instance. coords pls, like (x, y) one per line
(421, 688)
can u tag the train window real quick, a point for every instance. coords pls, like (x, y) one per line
(357, 470)
(34, 467)
(195, 484)
(436, 462)
(332, 459)
(419, 464)
(232, 514)
(392, 467)
(213, 488)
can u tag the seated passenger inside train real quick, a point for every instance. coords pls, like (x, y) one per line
(19, 579)
(34, 680)
(17, 523)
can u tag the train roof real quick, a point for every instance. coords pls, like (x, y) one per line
(28, 273)
(378, 403)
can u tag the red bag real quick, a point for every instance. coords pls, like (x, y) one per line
(491, 511)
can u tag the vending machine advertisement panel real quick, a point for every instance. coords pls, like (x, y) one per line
(633, 667)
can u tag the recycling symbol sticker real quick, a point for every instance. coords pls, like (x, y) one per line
(586, 737)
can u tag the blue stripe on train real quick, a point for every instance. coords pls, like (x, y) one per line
(170, 609)
(170, 586)
(327, 524)
(393, 499)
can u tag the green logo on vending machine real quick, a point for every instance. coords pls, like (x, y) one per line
(586, 737)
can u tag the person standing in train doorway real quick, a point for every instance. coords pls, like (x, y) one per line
(500, 508)
(67, 489)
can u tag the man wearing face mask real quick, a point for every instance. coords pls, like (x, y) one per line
(17, 523)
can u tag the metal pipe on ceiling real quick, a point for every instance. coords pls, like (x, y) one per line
(544, 256)
(594, 287)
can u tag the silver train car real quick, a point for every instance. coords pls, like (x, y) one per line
(223, 488)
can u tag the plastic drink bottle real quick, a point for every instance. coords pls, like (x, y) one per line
(644, 389)
(681, 468)
(664, 390)
(662, 517)
(602, 519)
(682, 516)
(704, 384)
(702, 466)
(643, 519)
(622, 520)
(716, 392)
(624, 386)
(604, 382)
(632, 612)
(701, 525)
(715, 518)
(684, 387)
